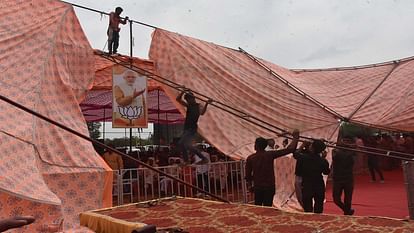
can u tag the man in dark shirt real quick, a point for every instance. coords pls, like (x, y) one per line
(311, 166)
(343, 178)
(194, 110)
(260, 171)
(303, 149)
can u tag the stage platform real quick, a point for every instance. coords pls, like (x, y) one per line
(199, 215)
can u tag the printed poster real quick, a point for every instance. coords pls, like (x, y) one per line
(129, 98)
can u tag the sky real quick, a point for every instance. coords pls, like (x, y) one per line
(290, 33)
(295, 34)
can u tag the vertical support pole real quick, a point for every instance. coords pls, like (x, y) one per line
(408, 168)
(243, 181)
(130, 54)
(130, 141)
(104, 121)
(158, 120)
(168, 130)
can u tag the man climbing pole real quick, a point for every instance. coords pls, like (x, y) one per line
(194, 110)
(113, 29)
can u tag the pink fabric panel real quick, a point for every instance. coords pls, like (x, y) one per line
(344, 90)
(25, 40)
(230, 77)
(341, 90)
(46, 215)
(47, 65)
(392, 104)
(79, 192)
(19, 174)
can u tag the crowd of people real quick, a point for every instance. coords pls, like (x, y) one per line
(311, 162)
(312, 166)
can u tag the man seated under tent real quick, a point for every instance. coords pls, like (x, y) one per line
(260, 170)
(194, 110)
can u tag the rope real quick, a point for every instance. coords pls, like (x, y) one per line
(105, 13)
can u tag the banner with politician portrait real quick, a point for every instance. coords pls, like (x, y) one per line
(129, 99)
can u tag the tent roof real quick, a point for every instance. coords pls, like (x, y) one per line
(378, 95)
(370, 95)
(312, 100)
(230, 77)
(97, 105)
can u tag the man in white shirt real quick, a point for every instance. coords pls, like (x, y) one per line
(202, 169)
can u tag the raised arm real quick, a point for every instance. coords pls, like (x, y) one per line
(124, 21)
(180, 99)
(289, 149)
(298, 153)
(123, 100)
(204, 108)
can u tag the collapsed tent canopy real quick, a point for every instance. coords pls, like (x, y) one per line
(315, 101)
(46, 66)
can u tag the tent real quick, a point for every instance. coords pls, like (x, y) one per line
(46, 64)
(97, 105)
(314, 101)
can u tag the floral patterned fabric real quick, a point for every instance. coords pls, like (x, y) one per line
(47, 65)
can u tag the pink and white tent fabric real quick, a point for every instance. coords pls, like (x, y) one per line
(313, 101)
(230, 77)
(46, 65)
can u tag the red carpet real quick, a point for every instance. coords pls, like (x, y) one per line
(202, 216)
(375, 199)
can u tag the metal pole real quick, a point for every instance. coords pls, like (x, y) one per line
(130, 54)
(408, 168)
(158, 122)
(168, 131)
(130, 140)
(104, 121)
(243, 181)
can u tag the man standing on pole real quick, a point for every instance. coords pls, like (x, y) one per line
(113, 29)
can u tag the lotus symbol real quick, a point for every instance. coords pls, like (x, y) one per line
(130, 112)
